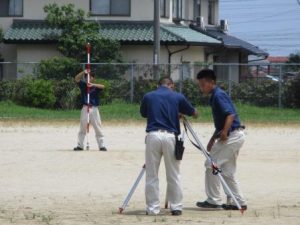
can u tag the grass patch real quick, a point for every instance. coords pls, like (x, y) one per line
(121, 111)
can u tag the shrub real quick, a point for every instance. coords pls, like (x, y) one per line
(7, 90)
(192, 93)
(263, 93)
(67, 94)
(292, 94)
(35, 93)
(120, 90)
(58, 68)
(141, 87)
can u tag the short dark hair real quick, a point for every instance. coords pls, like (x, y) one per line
(207, 74)
(165, 81)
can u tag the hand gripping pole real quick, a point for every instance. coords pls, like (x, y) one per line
(216, 170)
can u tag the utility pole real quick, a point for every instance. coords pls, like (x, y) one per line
(156, 37)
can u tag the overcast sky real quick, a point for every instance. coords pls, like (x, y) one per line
(273, 25)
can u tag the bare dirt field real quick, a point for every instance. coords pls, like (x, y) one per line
(42, 181)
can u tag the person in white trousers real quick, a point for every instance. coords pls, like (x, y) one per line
(224, 145)
(95, 119)
(162, 108)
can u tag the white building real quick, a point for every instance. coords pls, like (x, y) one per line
(190, 32)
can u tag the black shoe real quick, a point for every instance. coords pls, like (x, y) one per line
(233, 207)
(207, 205)
(176, 212)
(103, 149)
(78, 148)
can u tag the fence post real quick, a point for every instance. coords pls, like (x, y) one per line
(132, 84)
(229, 80)
(280, 87)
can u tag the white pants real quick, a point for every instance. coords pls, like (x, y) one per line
(225, 156)
(95, 121)
(158, 144)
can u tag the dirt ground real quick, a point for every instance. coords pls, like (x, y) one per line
(42, 181)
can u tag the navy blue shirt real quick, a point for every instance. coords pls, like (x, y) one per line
(222, 106)
(162, 107)
(94, 94)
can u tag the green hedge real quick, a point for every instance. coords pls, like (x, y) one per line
(29, 92)
(64, 94)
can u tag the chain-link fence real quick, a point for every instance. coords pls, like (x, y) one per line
(253, 83)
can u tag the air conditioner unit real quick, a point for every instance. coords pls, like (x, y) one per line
(224, 25)
(200, 22)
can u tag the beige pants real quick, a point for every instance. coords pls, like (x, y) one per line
(158, 144)
(225, 156)
(95, 121)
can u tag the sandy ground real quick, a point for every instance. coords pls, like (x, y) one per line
(42, 181)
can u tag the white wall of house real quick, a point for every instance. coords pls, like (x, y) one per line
(144, 54)
(138, 54)
(27, 53)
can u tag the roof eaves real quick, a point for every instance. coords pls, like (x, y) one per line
(242, 48)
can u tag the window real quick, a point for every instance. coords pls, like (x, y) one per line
(110, 7)
(11, 8)
(197, 9)
(211, 12)
(177, 9)
(163, 8)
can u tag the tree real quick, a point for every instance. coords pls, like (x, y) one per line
(77, 31)
(294, 58)
(1, 34)
(1, 38)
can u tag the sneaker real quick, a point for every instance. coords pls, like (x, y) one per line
(78, 148)
(103, 149)
(233, 207)
(207, 205)
(176, 212)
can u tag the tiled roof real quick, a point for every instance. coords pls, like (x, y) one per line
(28, 31)
(233, 42)
(190, 35)
(32, 31)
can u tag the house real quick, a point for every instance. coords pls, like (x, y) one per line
(190, 33)
(277, 59)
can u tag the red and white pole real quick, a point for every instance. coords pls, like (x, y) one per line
(88, 68)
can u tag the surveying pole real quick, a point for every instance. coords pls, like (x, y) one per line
(156, 38)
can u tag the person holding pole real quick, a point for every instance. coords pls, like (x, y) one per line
(162, 108)
(224, 145)
(94, 116)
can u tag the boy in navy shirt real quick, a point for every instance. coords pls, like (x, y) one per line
(162, 108)
(223, 146)
(95, 120)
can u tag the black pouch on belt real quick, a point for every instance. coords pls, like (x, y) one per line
(179, 148)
